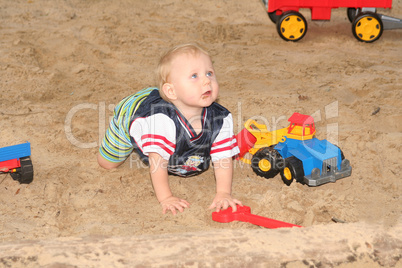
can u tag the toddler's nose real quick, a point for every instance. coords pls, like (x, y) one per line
(207, 80)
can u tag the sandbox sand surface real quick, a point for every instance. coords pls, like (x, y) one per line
(65, 64)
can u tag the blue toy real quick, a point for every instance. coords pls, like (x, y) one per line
(294, 152)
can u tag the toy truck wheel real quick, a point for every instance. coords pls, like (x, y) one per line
(273, 17)
(291, 26)
(267, 162)
(293, 171)
(367, 27)
(24, 174)
(351, 12)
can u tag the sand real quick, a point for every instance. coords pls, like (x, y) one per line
(64, 65)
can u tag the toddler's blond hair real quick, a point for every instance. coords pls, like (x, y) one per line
(164, 66)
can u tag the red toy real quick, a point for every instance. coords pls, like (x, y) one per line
(243, 214)
(245, 141)
(367, 24)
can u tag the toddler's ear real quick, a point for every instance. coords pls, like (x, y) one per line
(168, 90)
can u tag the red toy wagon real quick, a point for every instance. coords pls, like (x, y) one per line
(367, 25)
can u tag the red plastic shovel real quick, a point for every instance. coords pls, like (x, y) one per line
(244, 214)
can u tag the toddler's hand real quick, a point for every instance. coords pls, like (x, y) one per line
(172, 203)
(223, 201)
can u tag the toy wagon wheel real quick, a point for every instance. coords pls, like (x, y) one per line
(272, 15)
(24, 174)
(274, 18)
(293, 171)
(291, 26)
(351, 12)
(267, 162)
(367, 27)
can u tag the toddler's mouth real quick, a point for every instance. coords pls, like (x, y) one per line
(207, 94)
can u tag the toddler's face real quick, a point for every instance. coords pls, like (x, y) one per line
(193, 78)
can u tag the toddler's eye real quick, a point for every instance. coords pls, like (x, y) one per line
(194, 76)
(210, 73)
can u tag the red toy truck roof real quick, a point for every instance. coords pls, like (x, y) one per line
(303, 121)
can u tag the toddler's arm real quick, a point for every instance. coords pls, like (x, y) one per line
(107, 164)
(223, 169)
(160, 182)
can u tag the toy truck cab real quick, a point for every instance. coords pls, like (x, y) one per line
(307, 159)
(296, 154)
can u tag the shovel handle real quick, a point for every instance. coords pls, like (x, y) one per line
(243, 214)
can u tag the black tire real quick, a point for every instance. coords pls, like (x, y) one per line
(24, 174)
(273, 17)
(267, 162)
(367, 27)
(293, 171)
(291, 26)
(351, 12)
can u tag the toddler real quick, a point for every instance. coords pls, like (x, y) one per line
(178, 129)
